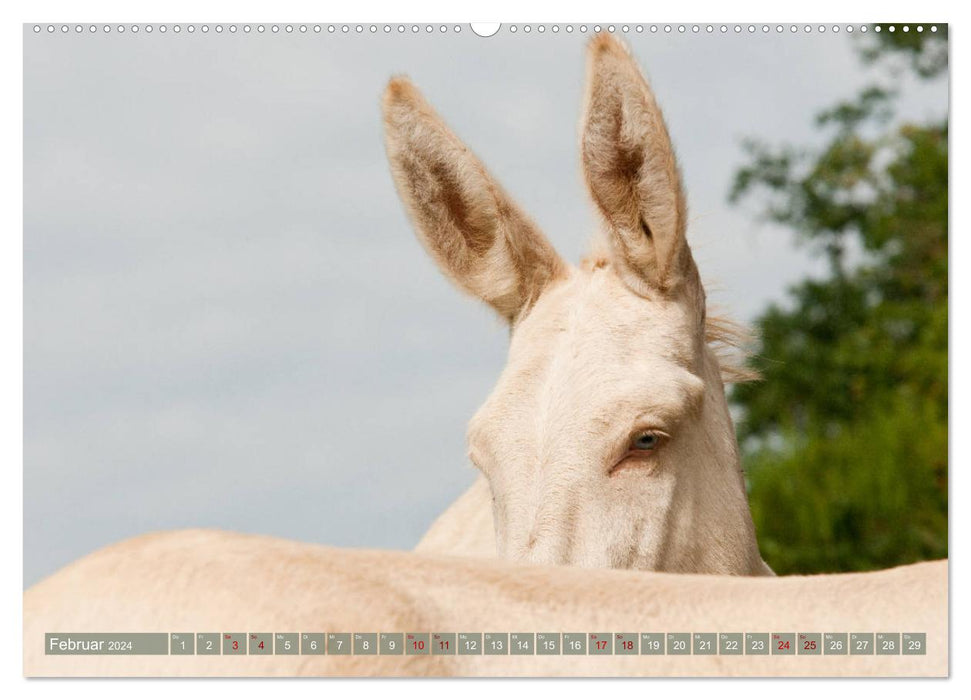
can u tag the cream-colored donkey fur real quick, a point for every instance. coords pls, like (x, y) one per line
(607, 442)
(208, 581)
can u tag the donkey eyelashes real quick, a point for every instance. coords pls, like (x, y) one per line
(644, 459)
(639, 448)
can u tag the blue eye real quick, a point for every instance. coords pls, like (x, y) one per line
(646, 441)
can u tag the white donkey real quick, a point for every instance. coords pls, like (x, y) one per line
(607, 442)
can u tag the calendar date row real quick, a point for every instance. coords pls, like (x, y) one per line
(493, 643)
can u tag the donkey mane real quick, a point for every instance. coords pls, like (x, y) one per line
(731, 342)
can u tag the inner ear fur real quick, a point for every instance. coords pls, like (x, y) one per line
(475, 232)
(631, 172)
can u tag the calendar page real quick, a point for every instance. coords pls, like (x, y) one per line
(610, 349)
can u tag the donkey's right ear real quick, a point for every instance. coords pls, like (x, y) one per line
(478, 236)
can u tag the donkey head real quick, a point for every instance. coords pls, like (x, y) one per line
(607, 441)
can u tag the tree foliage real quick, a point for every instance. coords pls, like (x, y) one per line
(845, 438)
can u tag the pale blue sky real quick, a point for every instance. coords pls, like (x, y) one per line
(228, 321)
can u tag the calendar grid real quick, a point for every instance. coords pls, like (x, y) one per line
(489, 643)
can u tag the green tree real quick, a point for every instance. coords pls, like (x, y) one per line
(845, 438)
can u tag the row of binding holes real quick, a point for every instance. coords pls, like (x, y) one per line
(247, 29)
(723, 28)
(513, 28)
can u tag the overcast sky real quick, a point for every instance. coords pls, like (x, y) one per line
(228, 321)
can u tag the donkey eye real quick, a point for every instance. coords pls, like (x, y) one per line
(646, 441)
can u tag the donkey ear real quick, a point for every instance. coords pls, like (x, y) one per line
(632, 174)
(478, 236)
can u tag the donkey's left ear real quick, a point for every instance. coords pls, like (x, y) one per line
(632, 174)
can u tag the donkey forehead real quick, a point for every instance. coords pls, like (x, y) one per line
(593, 313)
(593, 350)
